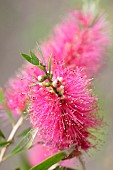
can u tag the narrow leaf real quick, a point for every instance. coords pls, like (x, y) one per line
(40, 52)
(2, 101)
(49, 64)
(41, 67)
(4, 143)
(2, 98)
(24, 144)
(24, 164)
(54, 159)
(63, 168)
(26, 57)
(2, 135)
(10, 116)
(34, 58)
(24, 132)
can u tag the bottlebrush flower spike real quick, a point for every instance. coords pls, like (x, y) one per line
(82, 39)
(64, 114)
(17, 89)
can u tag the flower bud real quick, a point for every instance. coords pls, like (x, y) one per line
(46, 84)
(54, 83)
(60, 79)
(41, 78)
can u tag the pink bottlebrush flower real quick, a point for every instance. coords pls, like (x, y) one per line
(18, 88)
(64, 114)
(82, 40)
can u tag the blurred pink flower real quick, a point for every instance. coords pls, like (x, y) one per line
(40, 152)
(80, 40)
(64, 120)
(18, 88)
(37, 154)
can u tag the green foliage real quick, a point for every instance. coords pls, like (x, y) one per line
(32, 59)
(24, 132)
(54, 159)
(3, 102)
(24, 163)
(2, 98)
(24, 144)
(10, 116)
(42, 67)
(63, 168)
(4, 143)
(2, 135)
(41, 53)
(49, 64)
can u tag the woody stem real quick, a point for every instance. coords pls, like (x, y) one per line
(82, 163)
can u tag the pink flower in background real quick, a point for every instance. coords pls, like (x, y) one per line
(18, 88)
(39, 153)
(81, 39)
(64, 116)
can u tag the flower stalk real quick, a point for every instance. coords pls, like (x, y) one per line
(11, 137)
(82, 163)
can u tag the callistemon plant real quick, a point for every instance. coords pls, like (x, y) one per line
(82, 40)
(53, 90)
(61, 107)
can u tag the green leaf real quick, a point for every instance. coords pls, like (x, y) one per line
(24, 144)
(32, 59)
(24, 132)
(2, 98)
(42, 67)
(24, 164)
(2, 101)
(49, 64)
(40, 52)
(10, 116)
(26, 57)
(54, 159)
(63, 168)
(2, 135)
(4, 143)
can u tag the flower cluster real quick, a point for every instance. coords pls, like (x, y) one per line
(64, 110)
(81, 39)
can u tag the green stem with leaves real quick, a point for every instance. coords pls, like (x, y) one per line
(11, 137)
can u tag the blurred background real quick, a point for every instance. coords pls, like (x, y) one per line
(22, 23)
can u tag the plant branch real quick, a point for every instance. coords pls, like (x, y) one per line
(82, 163)
(11, 136)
